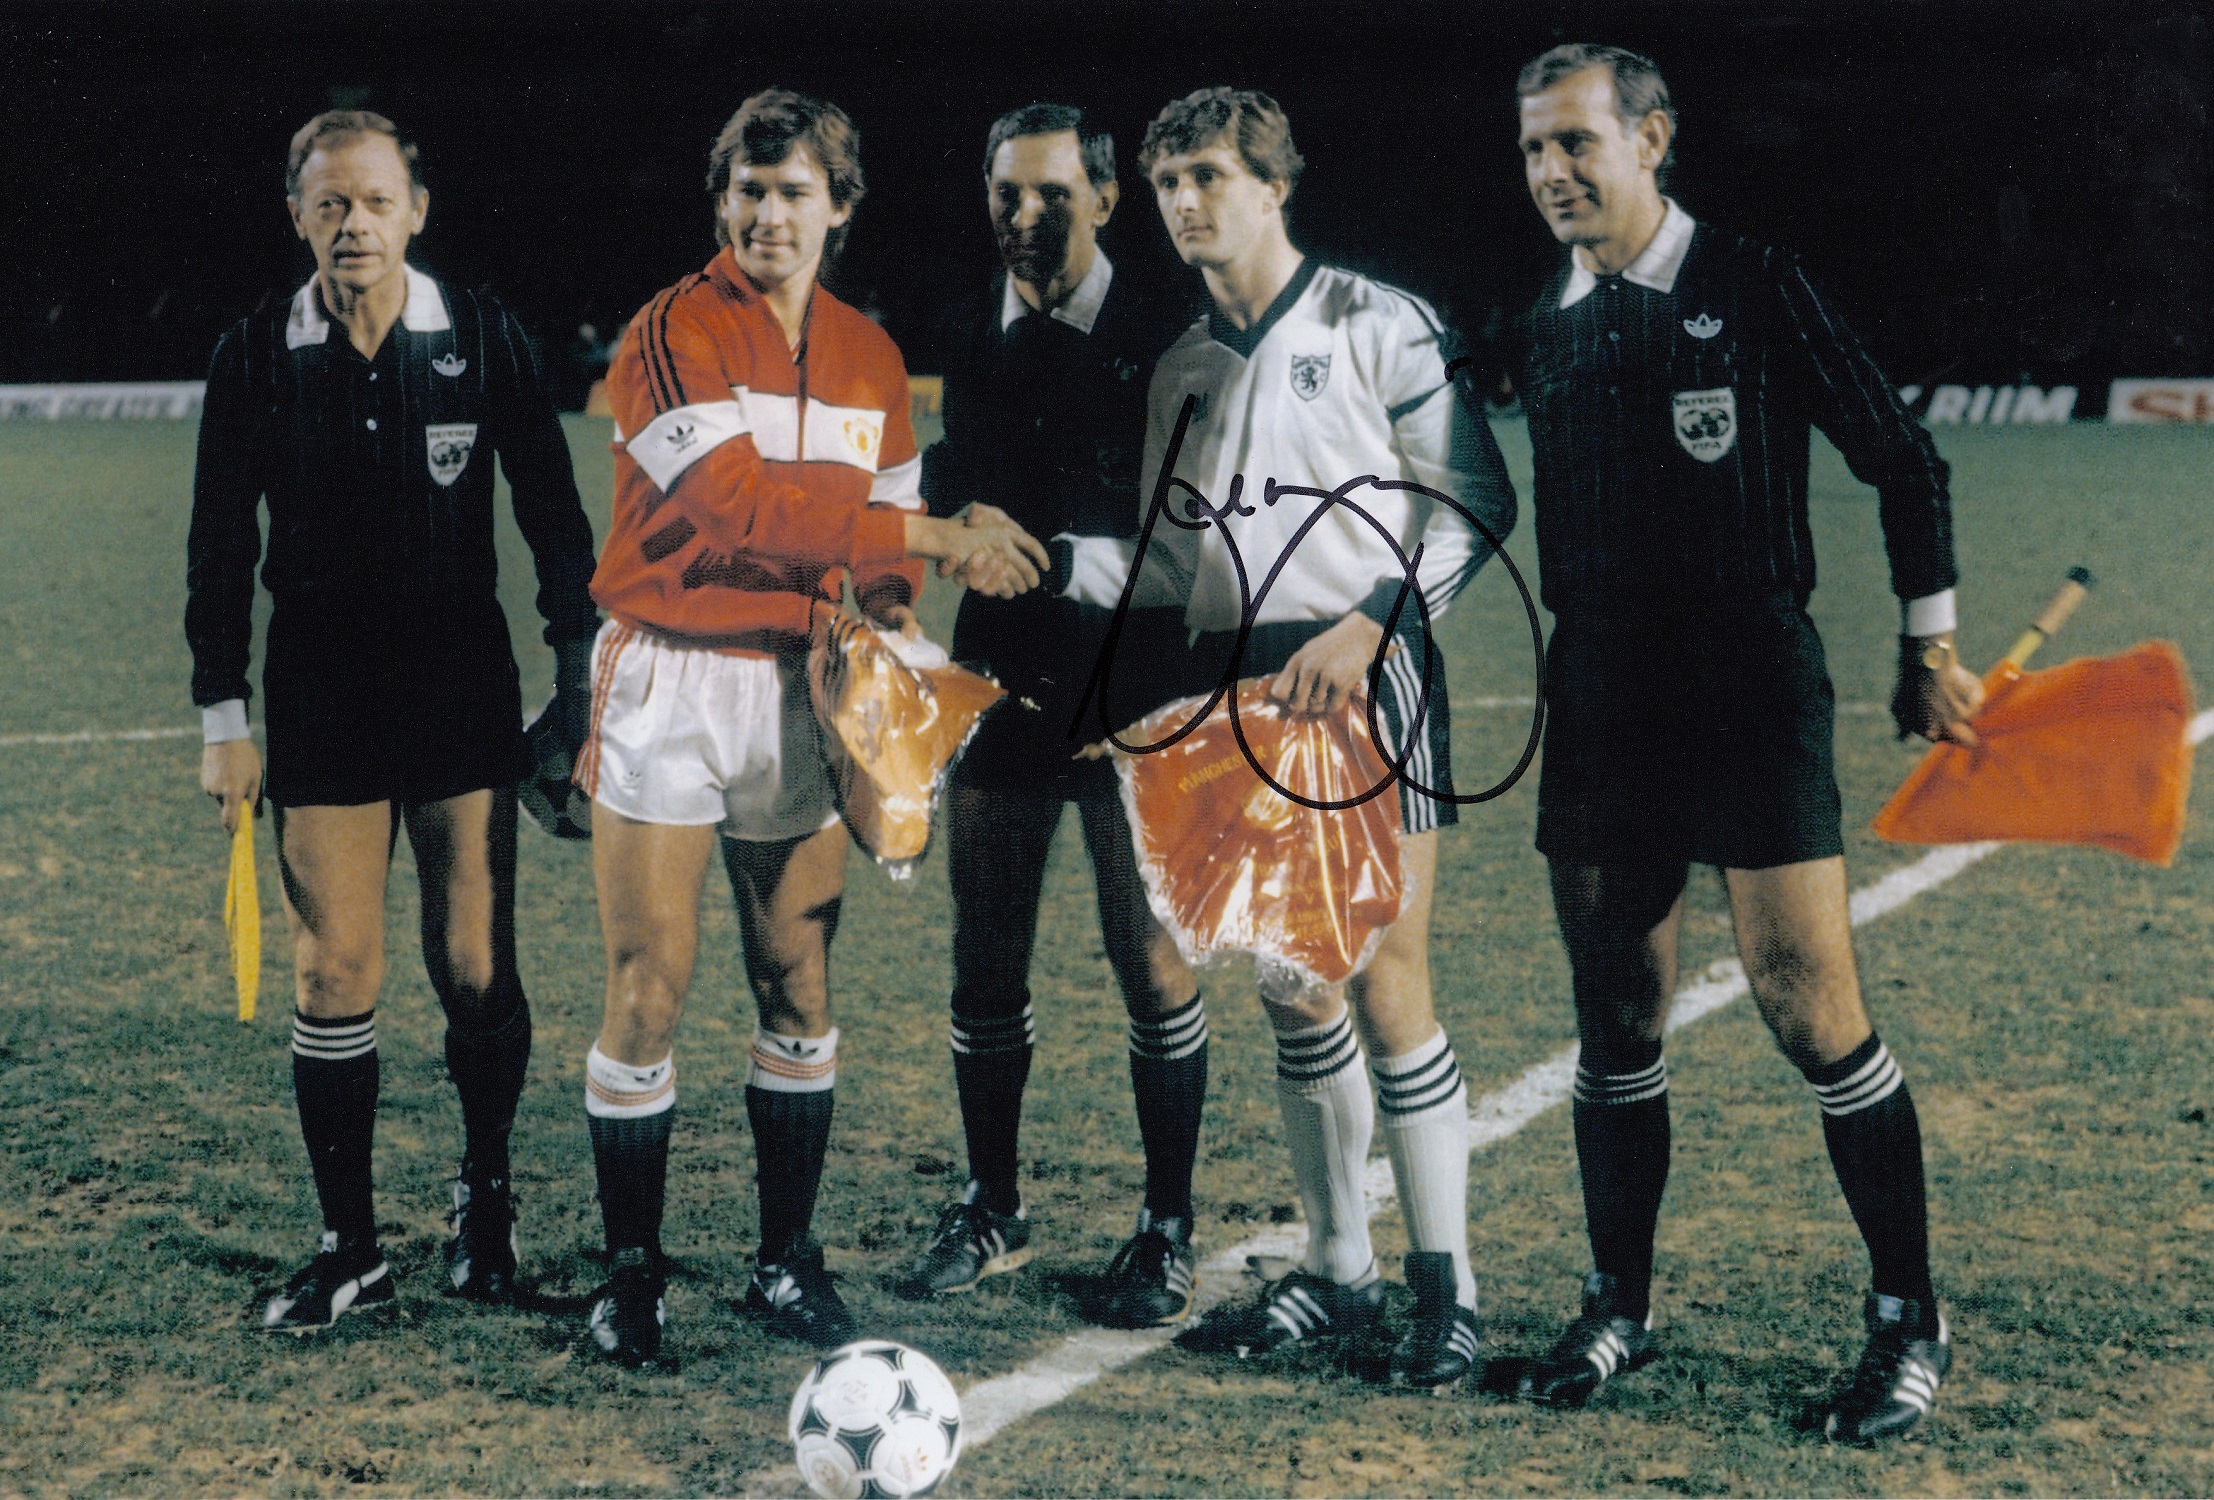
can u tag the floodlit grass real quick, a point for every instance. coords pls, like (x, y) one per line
(2050, 1006)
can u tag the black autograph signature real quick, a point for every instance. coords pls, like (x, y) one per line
(1201, 513)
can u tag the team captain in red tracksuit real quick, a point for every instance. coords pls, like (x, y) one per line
(763, 457)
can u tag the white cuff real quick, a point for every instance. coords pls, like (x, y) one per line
(224, 721)
(1932, 614)
(1099, 566)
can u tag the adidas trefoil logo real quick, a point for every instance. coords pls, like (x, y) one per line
(448, 366)
(1703, 327)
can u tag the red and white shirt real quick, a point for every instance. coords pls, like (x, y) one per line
(752, 477)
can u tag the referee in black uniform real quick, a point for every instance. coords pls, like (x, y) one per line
(367, 412)
(1673, 376)
(1045, 389)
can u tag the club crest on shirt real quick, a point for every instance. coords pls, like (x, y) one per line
(861, 436)
(449, 444)
(1706, 422)
(1309, 374)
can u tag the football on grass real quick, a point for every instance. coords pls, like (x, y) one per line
(875, 1418)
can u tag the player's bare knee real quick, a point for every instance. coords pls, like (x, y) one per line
(336, 980)
(1292, 1007)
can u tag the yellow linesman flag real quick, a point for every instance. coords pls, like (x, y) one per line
(242, 915)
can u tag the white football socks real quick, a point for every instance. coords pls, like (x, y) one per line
(1329, 1120)
(1424, 1106)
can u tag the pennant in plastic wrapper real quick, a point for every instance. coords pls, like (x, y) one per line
(242, 915)
(1231, 864)
(894, 714)
(2094, 751)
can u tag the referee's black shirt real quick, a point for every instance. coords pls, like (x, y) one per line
(1047, 421)
(378, 476)
(1670, 433)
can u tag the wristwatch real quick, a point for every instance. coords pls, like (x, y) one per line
(1934, 655)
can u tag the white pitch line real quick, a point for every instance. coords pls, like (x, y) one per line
(991, 1406)
(98, 736)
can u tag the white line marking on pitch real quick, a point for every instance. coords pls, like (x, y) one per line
(98, 736)
(991, 1406)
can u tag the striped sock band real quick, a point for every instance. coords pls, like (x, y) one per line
(334, 1040)
(1415, 1082)
(980, 1036)
(1178, 1034)
(623, 1091)
(1594, 1087)
(1870, 1076)
(793, 1064)
(1307, 1061)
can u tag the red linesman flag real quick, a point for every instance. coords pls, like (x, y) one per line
(2095, 751)
(1232, 864)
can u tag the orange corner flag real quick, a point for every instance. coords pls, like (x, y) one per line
(2095, 751)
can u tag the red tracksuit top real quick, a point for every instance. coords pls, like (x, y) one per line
(751, 478)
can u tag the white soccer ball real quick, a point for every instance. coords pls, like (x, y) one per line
(875, 1419)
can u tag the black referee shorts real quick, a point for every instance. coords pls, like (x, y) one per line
(1689, 736)
(1417, 719)
(1043, 651)
(374, 710)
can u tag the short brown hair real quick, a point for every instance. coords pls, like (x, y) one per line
(1250, 121)
(336, 125)
(766, 129)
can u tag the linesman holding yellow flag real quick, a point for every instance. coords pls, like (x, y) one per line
(367, 412)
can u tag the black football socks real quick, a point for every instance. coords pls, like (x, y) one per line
(1620, 1114)
(629, 1110)
(991, 1067)
(790, 1090)
(1875, 1142)
(334, 1082)
(488, 1057)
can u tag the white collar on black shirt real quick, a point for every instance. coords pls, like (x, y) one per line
(1656, 265)
(425, 311)
(1080, 309)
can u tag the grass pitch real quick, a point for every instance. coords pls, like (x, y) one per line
(2050, 1006)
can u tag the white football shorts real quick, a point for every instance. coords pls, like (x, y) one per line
(689, 736)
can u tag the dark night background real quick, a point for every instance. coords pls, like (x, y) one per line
(1995, 191)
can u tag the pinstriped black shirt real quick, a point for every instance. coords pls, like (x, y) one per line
(378, 477)
(1670, 436)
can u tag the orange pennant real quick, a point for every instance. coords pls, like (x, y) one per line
(894, 715)
(2091, 752)
(1231, 864)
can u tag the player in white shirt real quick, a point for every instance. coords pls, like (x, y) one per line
(1307, 376)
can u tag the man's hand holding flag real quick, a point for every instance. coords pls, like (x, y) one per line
(2092, 752)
